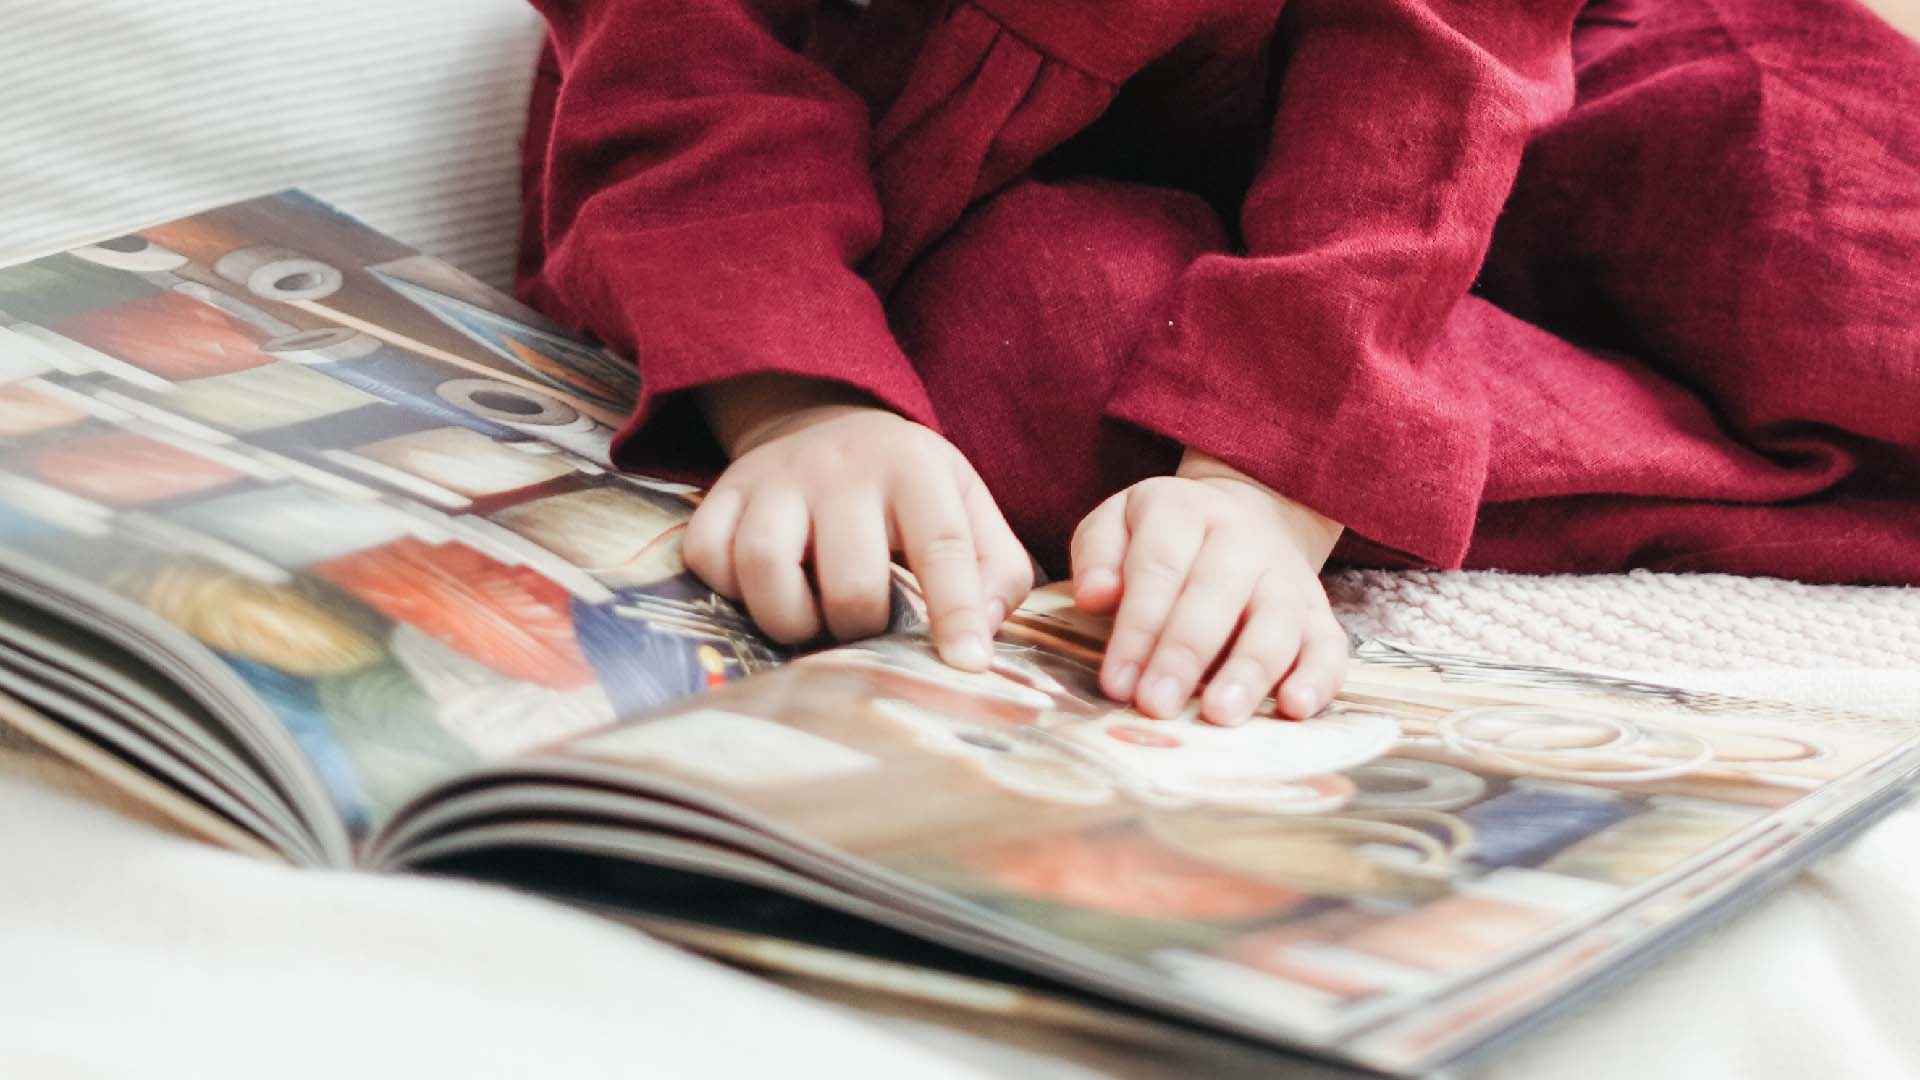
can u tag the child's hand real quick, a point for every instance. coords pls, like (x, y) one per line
(838, 487)
(1204, 566)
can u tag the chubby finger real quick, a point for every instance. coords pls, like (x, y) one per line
(768, 550)
(1006, 571)
(1321, 667)
(1215, 597)
(707, 545)
(1098, 546)
(1265, 650)
(851, 569)
(937, 543)
(1160, 551)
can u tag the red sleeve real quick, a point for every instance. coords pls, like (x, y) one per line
(698, 197)
(1315, 362)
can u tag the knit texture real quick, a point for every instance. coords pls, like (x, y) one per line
(1643, 622)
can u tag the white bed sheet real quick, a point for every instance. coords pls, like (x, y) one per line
(132, 953)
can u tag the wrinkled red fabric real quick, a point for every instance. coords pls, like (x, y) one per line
(1542, 286)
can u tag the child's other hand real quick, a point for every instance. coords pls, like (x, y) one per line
(838, 487)
(1210, 566)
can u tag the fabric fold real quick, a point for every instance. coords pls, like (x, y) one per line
(980, 106)
(1317, 360)
(707, 218)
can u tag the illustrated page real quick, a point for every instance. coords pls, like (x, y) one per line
(372, 491)
(1332, 879)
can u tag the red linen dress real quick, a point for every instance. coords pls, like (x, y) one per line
(1535, 285)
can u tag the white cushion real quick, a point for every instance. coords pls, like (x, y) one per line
(407, 113)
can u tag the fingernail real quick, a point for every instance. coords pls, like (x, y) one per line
(996, 613)
(1099, 579)
(969, 651)
(1227, 701)
(1124, 678)
(1303, 701)
(1161, 696)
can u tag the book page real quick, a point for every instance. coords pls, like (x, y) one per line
(355, 488)
(1445, 848)
(41, 751)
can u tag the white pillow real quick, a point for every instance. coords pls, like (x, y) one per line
(406, 113)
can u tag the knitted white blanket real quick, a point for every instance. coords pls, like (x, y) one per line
(1638, 622)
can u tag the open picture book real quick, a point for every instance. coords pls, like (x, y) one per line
(311, 547)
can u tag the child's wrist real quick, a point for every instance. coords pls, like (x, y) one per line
(747, 412)
(1317, 532)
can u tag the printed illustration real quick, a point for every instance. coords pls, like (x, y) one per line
(374, 489)
(1436, 824)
